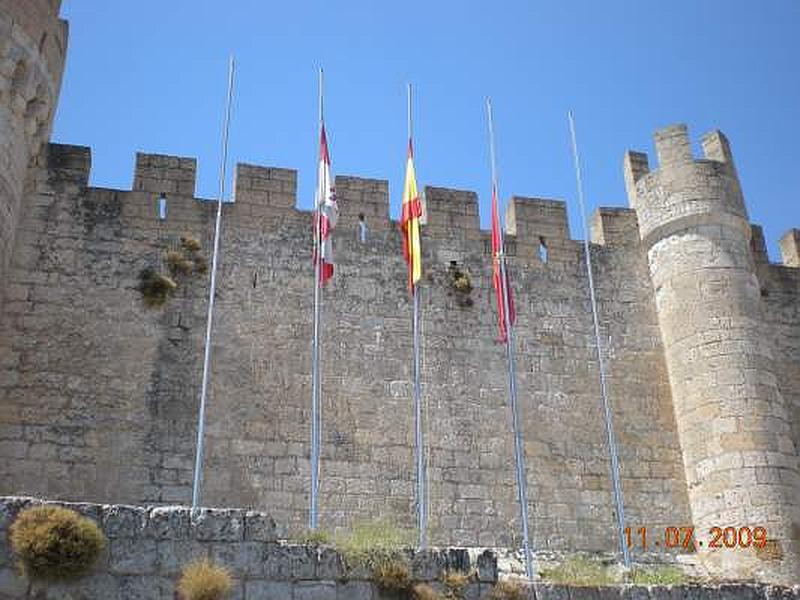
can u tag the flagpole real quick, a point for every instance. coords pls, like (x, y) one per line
(419, 442)
(313, 519)
(522, 482)
(612, 444)
(201, 425)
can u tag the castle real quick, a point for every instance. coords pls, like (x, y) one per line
(99, 390)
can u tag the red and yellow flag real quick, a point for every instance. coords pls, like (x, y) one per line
(500, 287)
(409, 222)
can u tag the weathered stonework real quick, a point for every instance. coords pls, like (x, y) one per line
(33, 44)
(99, 392)
(148, 547)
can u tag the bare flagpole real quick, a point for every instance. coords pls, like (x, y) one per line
(612, 443)
(316, 438)
(201, 425)
(419, 440)
(522, 481)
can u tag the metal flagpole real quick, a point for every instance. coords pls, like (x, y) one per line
(313, 518)
(522, 481)
(201, 425)
(419, 442)
(612, 443)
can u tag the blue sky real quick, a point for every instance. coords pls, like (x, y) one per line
(150, 75)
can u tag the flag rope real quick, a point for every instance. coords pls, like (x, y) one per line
(198, 463)
(612, 444)
(519, 453)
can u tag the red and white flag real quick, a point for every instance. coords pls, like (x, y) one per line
(500, 287)
(326, 212)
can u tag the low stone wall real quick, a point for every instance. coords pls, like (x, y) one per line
(148, 547)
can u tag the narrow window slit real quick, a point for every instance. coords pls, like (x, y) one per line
(362, 228)
(542, 250)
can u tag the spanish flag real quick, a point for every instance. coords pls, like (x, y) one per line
(501, 288)
(409, 222)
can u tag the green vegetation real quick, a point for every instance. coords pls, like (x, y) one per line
(373, 538)
(156, 288)
(203, 580)
(579, 570)
(657, 575)
(55, 543)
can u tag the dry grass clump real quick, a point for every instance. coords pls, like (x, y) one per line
(455, 582)
(190, 243)
(203, 580)
(423, 591)
(392, 576)
(509, 589)
(55, 543)
(178, 263)
(580, 571)
(155, 287)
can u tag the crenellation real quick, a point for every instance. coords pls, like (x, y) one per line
(265, 186)
(790, 248)
(358, 196)
(758, 245)
(635, 166)
(162, 173)
(673, 146)
(539, 224)
(451, 214)
(614, 226)
(73, 163)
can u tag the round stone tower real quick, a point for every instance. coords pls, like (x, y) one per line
(33, 42)
(734, 426)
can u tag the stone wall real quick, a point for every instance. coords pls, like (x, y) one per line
(33, 44)
(149, 546)
(99, 393)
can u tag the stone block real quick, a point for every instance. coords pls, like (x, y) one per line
(259, 527)
(246, 559)
(133, 556)
(124, 521)
(173, 555)
(486, 565)
(260, 590)
(168, 522)
(315, 590)
(355, 590)
(212, 524)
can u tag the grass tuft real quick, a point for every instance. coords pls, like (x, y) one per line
(657, 575)
(392, 576)
(203, 580)
(578, 570)
(509, 589)
(373, 538)
(423, 591)
(190, 243)
(178, 263)
(55, 543)
(155, 287)
(456, 583)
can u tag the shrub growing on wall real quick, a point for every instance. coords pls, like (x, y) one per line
(203, 580)
(55, 543)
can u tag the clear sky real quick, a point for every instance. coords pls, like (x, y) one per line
(150, 75)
